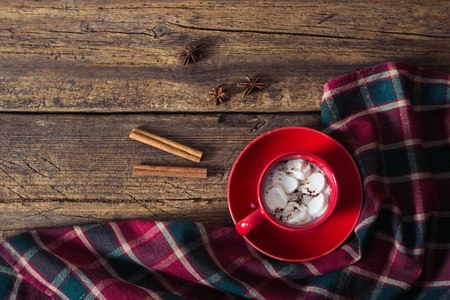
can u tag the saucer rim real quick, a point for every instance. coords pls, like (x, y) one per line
(357, 199)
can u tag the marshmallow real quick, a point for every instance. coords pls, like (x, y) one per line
(276, 197)
(292, 206)
(289, 183)
(318, 181)
(299, 168)
(316, 205)
(295, 213)
(308, 188)
(296, 192)
(298, 218)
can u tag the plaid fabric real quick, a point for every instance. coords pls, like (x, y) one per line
(395, 121)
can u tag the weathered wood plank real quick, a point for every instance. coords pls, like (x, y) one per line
(17, 217)
(116, 57)
(61, 169)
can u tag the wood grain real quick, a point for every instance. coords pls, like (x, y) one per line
(77, 76)
(65, 169)
(18, 217)
(93, 56)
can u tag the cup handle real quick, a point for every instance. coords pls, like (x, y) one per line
(250, 222)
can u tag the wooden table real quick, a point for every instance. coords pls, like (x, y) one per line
(77, 76)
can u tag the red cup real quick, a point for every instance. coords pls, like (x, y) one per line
(262, 213)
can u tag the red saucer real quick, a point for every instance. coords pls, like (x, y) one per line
(279, 243)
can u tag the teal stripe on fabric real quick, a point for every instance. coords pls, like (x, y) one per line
(6, 285)
(125, 267)
(447, 95)
(367, 97)
(189, 239)
(398, 88)
(288, 269)
(86, 228)
(386, 292)
(331, 279)
(31, 252)
(7, 271)
(168, 296)
(332, 111)
(412, 158)
(426, 294)
(59, 279)
(73, 288)
(22, 242)
(433, 94)
(324, 115)
(185, 233)
(416, 95)
(380, 93)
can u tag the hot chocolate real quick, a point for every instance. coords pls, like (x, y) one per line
(296, 192)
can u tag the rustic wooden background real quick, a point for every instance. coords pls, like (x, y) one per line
(77, 76)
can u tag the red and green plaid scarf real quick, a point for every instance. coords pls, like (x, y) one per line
(393, 118)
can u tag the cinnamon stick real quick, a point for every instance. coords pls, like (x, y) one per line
(166, 145)
(167, 171)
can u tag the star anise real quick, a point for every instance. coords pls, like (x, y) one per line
(250, 84)
(217, 95)
(191, 52)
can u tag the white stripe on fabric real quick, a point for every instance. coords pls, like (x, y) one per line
(308, 288)
(368, 111)
(277, 274)
(430, 107)
(388, 264)
(127, 249)
(395, 209)
(384, 147)
(416, 218)
(68, 236)
(437, 143)
(101, 259)
(92, 288)
(378, 277)
(437, 246)
(88, 245)
(15, 289)
(61, 276)
(433, 283)
(398, 179)
(356, 257)
(401, 248)
(203, 234)
(320, 291)
(108, 281)
(441, 176)
(312, 269)
(382, 76)
(7, 271)
(239, 262)
(420, 217)
(24, 263)
(440, 214)
(173, 257)
(366, 222)
(357, 83)
(180, 255)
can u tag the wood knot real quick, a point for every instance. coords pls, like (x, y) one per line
(160, 30)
